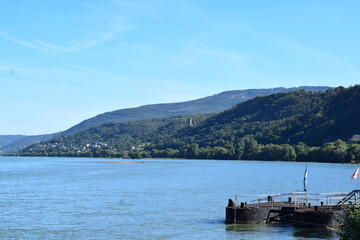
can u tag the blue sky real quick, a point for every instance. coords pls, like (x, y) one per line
(62, 62)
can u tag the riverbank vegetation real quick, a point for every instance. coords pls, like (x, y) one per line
(244, 149)
(294, 126)
(350, 230)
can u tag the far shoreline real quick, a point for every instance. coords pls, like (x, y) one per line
(131, 161)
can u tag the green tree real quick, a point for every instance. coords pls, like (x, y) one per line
(302, 151)
(134, 155)
(288, 153)
(353, 153)
(351, 228)
(250, 147)
(221, 153)
(239, 150)
(193, 151)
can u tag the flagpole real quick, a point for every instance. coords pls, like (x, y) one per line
(357, 187)
(305, 184)
(307, 197)
(357, 180)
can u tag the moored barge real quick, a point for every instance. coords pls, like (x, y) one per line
(299, 208)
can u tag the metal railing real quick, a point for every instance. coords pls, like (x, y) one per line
(302, 199)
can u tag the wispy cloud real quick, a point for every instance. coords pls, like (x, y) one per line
(21, 42)
(221, 54)
(302, 50)
(106, 74)
(37, 77)
(79, 45)
(49, 48)
(319, 55)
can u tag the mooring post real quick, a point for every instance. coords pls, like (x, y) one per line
(231, 203)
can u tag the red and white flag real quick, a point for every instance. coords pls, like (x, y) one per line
(356, 174)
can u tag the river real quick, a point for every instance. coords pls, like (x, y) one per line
(84, 198)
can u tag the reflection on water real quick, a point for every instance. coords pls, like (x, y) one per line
(274, 230)
(322, 233)
(213, 221)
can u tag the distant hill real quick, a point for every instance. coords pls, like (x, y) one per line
(212, 104)
(6, 139)
(108, 139)
(25, 141)
(289, 126)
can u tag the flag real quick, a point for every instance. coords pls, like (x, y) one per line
(305, 179)
(356, 174)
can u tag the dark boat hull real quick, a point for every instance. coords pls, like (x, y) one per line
(313, 218)
(258, 213)
(285, 212)
(300, 209)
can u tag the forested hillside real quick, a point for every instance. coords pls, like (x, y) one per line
(298, 116)
(113, 139)
(212, 104)
(295, 126)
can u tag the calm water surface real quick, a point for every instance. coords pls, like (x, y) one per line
(79, 198)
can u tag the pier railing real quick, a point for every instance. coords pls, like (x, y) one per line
(301, 199)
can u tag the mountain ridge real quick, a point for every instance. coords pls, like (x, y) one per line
(210, 104)
(7, 139)
(284, 126)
